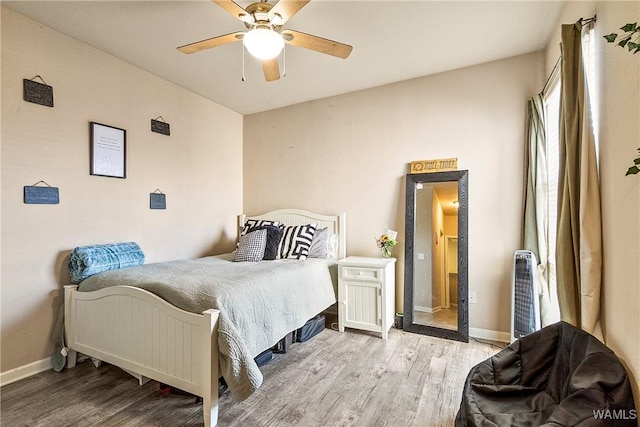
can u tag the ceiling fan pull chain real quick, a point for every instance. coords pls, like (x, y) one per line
(242, 79)
(284, 61)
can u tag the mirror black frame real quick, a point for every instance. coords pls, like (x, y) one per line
(462, 334)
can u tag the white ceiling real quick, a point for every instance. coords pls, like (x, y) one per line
(392, 41)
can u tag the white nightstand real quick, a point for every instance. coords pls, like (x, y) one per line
(366, 294)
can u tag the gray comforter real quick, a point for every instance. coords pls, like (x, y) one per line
(259, 303)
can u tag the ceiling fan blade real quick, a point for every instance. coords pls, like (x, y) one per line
(235, 9)
(329, 47)
(282, 11)
(271, 69)
(212, 42)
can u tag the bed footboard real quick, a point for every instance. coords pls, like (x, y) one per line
(143, 334)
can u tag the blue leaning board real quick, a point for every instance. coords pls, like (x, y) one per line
(41, 195)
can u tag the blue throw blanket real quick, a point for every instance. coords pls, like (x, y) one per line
(86, 261)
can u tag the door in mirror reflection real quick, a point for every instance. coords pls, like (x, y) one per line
(436, 255)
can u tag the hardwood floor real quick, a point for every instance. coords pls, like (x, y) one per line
(335, 379)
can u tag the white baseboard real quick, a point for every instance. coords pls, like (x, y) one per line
(487, 334)
(25, 371)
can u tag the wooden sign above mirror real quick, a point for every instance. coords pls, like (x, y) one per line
(434, 165)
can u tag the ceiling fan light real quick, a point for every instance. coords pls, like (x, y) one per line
(263, 43)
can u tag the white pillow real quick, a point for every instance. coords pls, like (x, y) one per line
(332, 246)
(318, 247)
(324, 244)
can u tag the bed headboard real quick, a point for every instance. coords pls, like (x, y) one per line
(335, 224)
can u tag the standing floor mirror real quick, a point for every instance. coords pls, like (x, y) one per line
(436, 251)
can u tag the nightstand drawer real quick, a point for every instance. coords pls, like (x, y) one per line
(361, 273)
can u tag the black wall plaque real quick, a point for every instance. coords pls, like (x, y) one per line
(38, 93)
(41, 195)
(160, 127)
(157, 201)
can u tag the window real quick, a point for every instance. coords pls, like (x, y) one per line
(588, 54)
(552, 115)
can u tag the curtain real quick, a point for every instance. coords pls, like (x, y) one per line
(579, 238)
(536, 221)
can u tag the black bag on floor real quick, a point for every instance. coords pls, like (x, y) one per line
(264, 358)
(310, 329)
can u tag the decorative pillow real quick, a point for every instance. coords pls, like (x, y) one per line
(251, 246)
(253, 223)
(318, 247)
(332, 246)
(274, 234)
(296, 241)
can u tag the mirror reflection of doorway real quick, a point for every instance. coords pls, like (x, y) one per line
(436, 256)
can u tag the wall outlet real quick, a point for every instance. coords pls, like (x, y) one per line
(420, 255)
(472, 297)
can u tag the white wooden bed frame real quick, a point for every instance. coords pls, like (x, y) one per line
(151, 339)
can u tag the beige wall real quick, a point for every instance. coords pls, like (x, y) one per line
(199, 167)
(619, 81)
(350, 153)
(618, 94)
(451, 225)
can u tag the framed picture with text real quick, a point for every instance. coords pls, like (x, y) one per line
(108, 151)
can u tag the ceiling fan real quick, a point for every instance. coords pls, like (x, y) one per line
(265, 37)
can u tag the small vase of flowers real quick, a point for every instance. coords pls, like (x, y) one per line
(386, 242)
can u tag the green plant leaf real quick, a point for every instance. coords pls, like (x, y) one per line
(611, 37)
(624, 41)
(632, 45)
(632, 171)
(630, 27)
